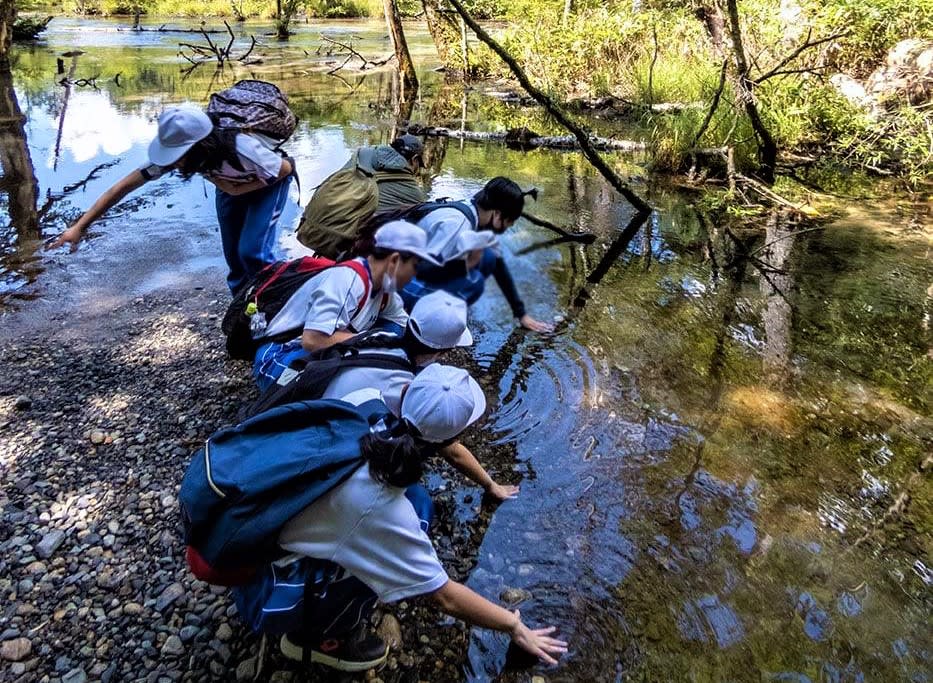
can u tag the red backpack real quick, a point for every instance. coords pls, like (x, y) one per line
(267, 293)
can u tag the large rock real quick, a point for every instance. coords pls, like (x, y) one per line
(16, 649)
(50, 543)
(907, 74)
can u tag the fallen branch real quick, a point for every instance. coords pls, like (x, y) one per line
(583, 138)
(551, 142)
(348, 49)
(585, 237)
(714, 105)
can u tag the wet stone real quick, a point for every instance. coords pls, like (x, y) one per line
(22, 402)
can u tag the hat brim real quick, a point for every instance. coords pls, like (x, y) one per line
(160, 155)
(479, 402)
(422, 254)
(466, 339)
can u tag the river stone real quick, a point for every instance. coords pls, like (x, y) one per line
(169, 595)
(22, 402)
(75, 676)
(98, 437)
(173, 647)
(132, 609)
(514, 596)
(224, 632)
(16, 649)
(50, 543)
(390, 632)
(246, 670)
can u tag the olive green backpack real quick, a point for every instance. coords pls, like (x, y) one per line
(342, 204)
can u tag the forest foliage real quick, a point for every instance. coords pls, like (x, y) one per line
(639, 53)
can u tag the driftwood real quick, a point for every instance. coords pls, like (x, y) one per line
(555, 110)
(213, 51)
(615, 106)
(345, 49)
(530, 141)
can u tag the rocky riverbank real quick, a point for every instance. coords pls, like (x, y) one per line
(97, 424)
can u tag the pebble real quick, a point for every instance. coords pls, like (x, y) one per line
(246, 670)
(98, 437)
(16, 649)
(173, 647)
(538, 679)
(224, 632)
(169, 595)
(390, 631)
(189, 633)
(22, 402)
(50, 543)
(513, 596)
(76, 675)
(132, 609)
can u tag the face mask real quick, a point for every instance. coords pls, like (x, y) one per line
(389, 285)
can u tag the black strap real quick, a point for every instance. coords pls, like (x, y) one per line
(312, 381)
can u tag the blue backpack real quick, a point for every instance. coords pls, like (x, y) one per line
(249, 480)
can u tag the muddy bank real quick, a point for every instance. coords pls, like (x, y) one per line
(95, 434)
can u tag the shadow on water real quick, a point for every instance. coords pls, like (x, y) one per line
(723, 448)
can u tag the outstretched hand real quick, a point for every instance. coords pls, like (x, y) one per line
(71, 236)
(530, 323)
(538, 641)
(502, 491)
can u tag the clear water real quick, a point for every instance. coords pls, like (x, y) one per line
(709, 447)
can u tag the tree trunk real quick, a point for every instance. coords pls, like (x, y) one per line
(405, 65)
(7, 19)
(19, 178)
(767, 148)
(568, 10)
(445, 33)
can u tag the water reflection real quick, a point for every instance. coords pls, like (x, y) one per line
(712, 444)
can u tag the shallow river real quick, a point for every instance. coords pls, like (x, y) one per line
(723, 450)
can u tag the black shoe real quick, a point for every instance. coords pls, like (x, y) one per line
(358, 652)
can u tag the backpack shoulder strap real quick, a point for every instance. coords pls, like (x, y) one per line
(363, 272)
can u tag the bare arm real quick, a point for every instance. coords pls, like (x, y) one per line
(460, 457)
(312, 340)
(459, 601)
(104, 203)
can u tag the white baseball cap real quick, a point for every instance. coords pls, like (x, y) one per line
(406, 237)
(471, 240)
(439, 320)
(179, 128)
(442, 401)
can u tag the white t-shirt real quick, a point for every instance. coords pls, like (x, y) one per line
(443, 226)
(328, 302)
(372, 531)
(258, 162)
(390, 383)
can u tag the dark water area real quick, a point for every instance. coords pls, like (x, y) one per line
(724, 449)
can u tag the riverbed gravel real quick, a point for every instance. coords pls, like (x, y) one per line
(98, 419)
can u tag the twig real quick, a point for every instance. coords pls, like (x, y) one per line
(784, 237)
(585, 237)
(806, 45)
(714, 105)
(353, 53)
(654, 59)
(557, 112)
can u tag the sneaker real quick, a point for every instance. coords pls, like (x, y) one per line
(358, 652)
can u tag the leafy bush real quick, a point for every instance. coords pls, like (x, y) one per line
(29, 28)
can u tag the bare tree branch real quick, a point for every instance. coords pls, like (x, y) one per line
(641, 207)
(803, 47)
